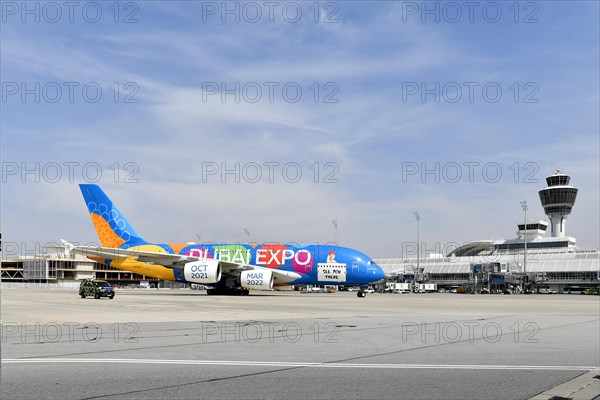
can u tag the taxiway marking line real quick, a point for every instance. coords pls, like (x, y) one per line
(292, 364)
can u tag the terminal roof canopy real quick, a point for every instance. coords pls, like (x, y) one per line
(472, 248)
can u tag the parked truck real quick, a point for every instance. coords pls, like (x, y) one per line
(399, 287)
(427, 287)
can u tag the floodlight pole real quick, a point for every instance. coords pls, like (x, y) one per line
(418, 218)
(335, 226)
(524, 206)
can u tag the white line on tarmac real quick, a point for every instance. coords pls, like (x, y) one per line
(293, 364)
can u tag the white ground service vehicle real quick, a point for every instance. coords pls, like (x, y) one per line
(427, 287)
(400, 287)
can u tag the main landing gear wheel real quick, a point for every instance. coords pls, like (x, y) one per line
(361, 294)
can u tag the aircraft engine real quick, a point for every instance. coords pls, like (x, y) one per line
(204, 272)
(260, 279)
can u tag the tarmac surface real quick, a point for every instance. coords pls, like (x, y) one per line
(182, 344)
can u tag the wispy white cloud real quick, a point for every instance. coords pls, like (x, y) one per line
(176, 128)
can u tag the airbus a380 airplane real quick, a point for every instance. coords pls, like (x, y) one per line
(226, 268)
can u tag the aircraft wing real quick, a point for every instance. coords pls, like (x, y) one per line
(167, 260)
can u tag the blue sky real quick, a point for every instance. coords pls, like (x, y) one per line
(368, 124)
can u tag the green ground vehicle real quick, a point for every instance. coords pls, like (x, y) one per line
(594, 291)
(96, 288)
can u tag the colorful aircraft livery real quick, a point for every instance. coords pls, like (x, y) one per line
(225, 268)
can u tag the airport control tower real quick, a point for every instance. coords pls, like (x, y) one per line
(558, 199)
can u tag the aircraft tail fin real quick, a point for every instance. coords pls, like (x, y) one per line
(112, 228)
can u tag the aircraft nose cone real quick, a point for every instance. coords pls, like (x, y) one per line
(379, 274)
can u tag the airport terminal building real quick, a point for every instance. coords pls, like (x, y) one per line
(66, 272)
(532, 260)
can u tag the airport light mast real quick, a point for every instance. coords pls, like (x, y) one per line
(335, 226)
(418, 218)
(524, 206)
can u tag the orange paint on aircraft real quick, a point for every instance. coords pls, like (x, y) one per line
(177, 247)
(105, 233)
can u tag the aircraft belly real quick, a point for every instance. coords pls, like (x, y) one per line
(150, 270)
